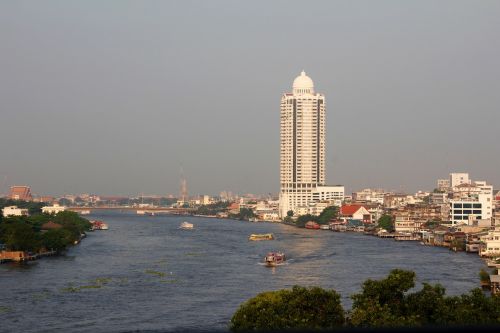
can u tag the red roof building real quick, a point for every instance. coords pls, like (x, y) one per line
(50, 225)
(355, 212)
(20, 193)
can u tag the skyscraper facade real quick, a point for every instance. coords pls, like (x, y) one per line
(302, 158)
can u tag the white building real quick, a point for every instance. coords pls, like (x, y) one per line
(465, 211)
(443, 185)
(14, 211)
(492, 243)
(53, 209)
(302, 148)
(472, 201)
(205, 200)
(459, 178)
(370, 195)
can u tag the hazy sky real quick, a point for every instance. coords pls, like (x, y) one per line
(113, 97)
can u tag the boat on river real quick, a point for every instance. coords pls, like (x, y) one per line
(186, 226)
(260, 237)
(99, 225)
(312, 225)
(274, 259)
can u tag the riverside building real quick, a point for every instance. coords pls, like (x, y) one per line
(302, 149)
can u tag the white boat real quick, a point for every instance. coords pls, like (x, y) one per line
(186, 226)
(324, 227)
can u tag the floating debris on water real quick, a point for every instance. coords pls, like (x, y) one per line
(5, 309)
(152, 272)
(40, 296)
(95, 284)
(102, 281)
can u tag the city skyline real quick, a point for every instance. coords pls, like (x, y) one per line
(86, 113)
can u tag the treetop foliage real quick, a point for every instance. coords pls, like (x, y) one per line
(380, 303)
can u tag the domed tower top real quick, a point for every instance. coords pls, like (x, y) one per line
(303, 84)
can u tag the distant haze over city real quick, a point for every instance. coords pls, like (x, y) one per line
(117, 97)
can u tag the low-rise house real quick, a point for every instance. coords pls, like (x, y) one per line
(50, 225)
(495, 284)
(473, 241)
(234, 208)
(269, 215)
(491, 244)
(404, 222)
(355, 212)
(53, 209)
(15, 255)
(436, 236)
(455, 240)
(14, 211)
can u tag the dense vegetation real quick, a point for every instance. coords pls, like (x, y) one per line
(212, 209)
(244, 214)
(386, 222)
(299, 308)
(24, 233)
(328, 214)
(381, 303)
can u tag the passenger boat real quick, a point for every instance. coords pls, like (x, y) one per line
(260, 237)
(274, 259)
(99, 225)
(186, 226)
(312, 225)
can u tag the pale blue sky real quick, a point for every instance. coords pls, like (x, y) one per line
(112, 97)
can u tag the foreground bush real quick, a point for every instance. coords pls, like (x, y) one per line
(381, 303)
(299, 308)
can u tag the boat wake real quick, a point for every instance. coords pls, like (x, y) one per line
(264, 264)
(280, 264)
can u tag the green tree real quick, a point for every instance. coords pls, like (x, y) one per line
(19, 236)
(246, 213)
(427, 306)
(381, 303)
(385, 222)
(289, 213)
(56, 239)
(303, 219)
(484, 276)
(64, 202)
(299, 308)
(68, 218)
(328, 214)
(432, 224)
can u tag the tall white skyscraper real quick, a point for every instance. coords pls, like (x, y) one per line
(302, 162)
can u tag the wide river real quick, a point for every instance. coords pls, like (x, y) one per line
(145, 274)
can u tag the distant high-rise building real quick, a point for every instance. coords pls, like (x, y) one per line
(302, 158)
(459, 178)
(20, 193)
